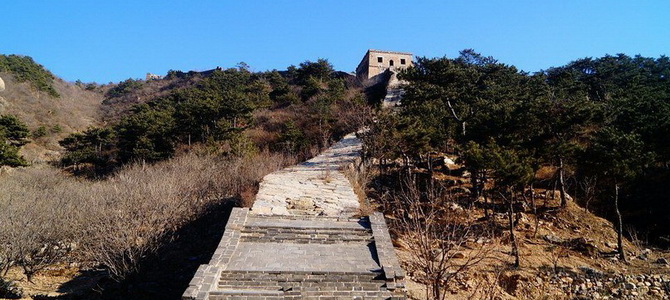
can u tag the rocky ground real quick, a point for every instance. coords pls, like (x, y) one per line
(564, 254)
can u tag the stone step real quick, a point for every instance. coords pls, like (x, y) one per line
(246, 294)
(302, 285)
(318, 222)
(298, 230)
(304, 235)
(300, 276)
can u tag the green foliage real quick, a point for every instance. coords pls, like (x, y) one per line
(39, 132)
(605, 118)
(9, 156)
(310, 88)
(13, 135)
(125, 87)
(147, 134)
(393, 136)
(216, 110)
(292, 138)
(95, 146)
(615, 154)
(319, 70)
(13, 131)
(279, 85)
(56, 129)
(172, 74)
(25, 69)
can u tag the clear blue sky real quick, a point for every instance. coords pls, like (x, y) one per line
(106, 41)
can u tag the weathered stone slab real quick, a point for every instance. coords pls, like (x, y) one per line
(315, 187)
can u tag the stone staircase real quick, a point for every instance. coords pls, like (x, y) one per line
(277, 250)
(394, 92)
(300, 285)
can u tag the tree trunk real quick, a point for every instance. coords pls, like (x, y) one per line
(486, 205)
(532, 202)
(475, 187)
(515, 249)
(561, 182)
(429, 162)
(622, 253)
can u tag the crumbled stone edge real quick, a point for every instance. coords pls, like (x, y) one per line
(387, 259)
(205, 278)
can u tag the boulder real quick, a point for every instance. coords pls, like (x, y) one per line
(2, 85)
(553, 239)
(584, 246)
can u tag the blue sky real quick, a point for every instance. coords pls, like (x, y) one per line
(107, 41)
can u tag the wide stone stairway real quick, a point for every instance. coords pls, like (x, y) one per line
(301, 240)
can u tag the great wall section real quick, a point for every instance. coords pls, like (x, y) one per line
(302, 240)
(303, 237)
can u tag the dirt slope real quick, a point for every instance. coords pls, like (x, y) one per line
(75, 110)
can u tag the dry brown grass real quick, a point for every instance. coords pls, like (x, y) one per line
(75, 110)
(47, 215)
(359, 177)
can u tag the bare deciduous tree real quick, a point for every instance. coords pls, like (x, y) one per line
(436, 237)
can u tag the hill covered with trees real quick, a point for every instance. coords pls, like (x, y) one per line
(157, 162)
(598, 126)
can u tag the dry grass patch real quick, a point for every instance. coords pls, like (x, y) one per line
(48, 216)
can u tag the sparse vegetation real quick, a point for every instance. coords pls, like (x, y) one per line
(119, 221)
(172, 149)
(436, 235)
(219, 111)
(189, 143)
(25, 69)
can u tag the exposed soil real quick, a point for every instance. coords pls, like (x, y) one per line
(571, 246)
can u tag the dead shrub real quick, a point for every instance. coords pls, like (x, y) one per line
(435, 236)
(119, 221)
(359, 177)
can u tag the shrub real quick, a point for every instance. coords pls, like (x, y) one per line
(125, 87)
(39, 132)
(120, 221)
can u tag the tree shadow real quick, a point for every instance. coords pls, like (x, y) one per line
(165, 274)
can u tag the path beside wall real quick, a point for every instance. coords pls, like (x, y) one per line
(303, 240)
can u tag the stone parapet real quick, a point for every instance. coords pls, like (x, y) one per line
(207, 275)
(387, 258)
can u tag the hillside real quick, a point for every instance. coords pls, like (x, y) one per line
(49, 118)
(181, 150)
(564, 253)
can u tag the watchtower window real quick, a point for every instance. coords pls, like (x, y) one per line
(391, 63)
(380, 59)
(402, 61)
